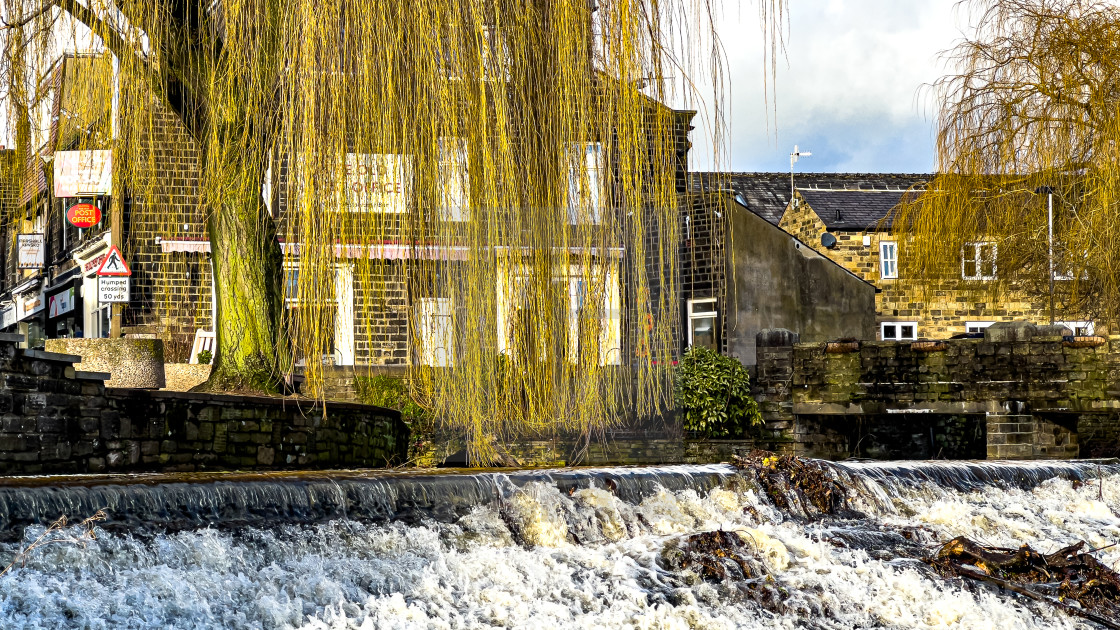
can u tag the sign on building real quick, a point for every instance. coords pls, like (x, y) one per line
(30, 254)
(112, 289)
(7, 316)
(83, 215)
(83, 173)
(378, 182)
(61, 303)
(28, 305)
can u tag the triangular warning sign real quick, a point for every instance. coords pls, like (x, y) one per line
(114, 264)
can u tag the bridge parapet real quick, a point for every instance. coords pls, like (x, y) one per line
(1017, 369)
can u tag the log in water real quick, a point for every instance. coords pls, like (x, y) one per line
(540, 549)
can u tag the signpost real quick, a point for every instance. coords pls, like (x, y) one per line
(113, 278)
(112, 289)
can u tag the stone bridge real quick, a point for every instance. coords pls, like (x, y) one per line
(1020, 392)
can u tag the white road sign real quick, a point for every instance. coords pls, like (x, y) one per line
(112, 289)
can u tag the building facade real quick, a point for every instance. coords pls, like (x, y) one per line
(846, 217)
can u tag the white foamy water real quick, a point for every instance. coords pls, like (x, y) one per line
(550, 558)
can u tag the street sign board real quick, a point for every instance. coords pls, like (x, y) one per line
(114, 264)
(112, 289)
(30, 251)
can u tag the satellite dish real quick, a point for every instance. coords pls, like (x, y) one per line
(828, 240)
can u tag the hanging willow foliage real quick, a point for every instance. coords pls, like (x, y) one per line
(1032, 106)
(497, 176)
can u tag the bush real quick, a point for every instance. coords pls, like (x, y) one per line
(205, 357)
(390, 392)
(714, 394)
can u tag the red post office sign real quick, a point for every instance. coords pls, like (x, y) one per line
(83, 215)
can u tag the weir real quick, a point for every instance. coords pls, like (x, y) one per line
(554, 548)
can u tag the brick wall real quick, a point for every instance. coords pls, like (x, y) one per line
(170, 291)
(381, 314)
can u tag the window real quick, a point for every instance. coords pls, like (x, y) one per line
(978, 261)
(976, 327)
(888, 259)
(332, 312)
(454, 180)
(898, 331)
(103, 320)
(585, 183)
(435, 332)
(702, 320)
(590, 304)
(1080, 329)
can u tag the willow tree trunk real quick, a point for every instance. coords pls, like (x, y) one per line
(251, 353)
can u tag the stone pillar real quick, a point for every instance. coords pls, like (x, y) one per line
(1011, 436)
(774, 353)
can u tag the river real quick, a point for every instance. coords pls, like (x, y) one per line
(537, 549)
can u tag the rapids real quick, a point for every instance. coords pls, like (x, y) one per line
(537, 549)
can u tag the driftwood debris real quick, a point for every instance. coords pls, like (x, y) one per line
(789, 477)
(1070, 579)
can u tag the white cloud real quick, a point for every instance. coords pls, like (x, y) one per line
(848, 88)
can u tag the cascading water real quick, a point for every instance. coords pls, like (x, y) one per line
(541, 549)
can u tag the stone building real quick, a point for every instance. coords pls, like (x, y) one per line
(53, 294)
(846, 217)
(741, 274)
(381, 315)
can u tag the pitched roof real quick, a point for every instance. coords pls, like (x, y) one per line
(851, 209)
(767, 194)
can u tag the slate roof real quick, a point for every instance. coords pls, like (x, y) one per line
(860, 210)
(767, 194)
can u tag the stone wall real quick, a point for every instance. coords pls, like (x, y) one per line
(55, 419)
(1037, 391)
(170, 290)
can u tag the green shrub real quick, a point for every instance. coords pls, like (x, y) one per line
(205, 357)
(713, 393)
(390, 392)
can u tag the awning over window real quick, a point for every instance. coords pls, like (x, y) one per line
(184, 246)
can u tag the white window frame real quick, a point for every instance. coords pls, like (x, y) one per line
(344, 309)
(693, 312)
(975, 327)
(435, 332)
(1089, 327)
(974, 252)
(454, 180)
(585, 183)
(888, 264)
(512, 280)
(883, 326)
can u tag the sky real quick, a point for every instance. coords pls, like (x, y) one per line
(849, 88)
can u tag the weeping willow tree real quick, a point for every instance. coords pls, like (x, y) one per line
(1030, 117)
(500, 176)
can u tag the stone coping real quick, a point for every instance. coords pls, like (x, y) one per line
(12, 337)
(92, 376)
(52, 356)
(243, 399)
